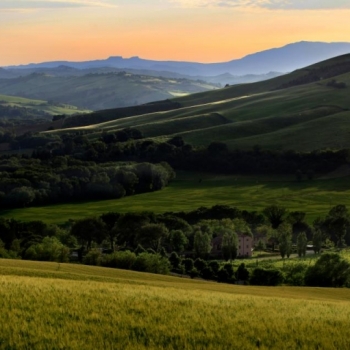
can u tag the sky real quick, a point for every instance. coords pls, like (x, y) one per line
(33, 31)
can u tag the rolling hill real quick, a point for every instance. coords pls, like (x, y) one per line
(13, 106)
(100, 91)
(66, 71)
(304, 110)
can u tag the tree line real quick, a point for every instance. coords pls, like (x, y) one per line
(26, 181)
(176, 239)
(129, 145)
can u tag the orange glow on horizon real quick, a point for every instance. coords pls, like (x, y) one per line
(201, 35)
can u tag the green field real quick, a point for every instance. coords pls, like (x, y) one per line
(303, 117)
(187, 193)
(65, 306)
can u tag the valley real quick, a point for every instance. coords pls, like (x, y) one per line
(169, 213)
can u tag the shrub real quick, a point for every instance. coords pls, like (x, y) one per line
(266, 277)
(7, 254)
(200, 264)
(330, 270)
(215, 266)
(223, 276)
(121, 260)
(188, 264)
(93, 257)
(194, 273)
(50, 249)
(242, 274)
(153, 263)
(208, 274)
(295, 274)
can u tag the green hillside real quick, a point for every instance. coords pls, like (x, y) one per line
(66, 306)
(302, 111)
(100, 91)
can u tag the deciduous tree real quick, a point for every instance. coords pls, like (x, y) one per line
(285, 239)
(301, 244)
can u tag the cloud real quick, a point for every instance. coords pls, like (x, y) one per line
(269, 4)
(307, 4)
(52, 4)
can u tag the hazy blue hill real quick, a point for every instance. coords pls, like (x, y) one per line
(288, 58)
(66, 71)
(7, 74)
(99, 91)
(283, 59)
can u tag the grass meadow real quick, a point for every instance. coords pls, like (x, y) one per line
(187, 193)
(63, 306)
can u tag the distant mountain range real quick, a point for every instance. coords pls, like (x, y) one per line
(284, 59)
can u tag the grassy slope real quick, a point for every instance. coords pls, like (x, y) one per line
(38, 105)
(46, 306)
(256, 114)
(186, 193)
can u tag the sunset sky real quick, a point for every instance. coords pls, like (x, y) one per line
(188, 30)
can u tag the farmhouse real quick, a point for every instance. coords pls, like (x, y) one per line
(244, 249)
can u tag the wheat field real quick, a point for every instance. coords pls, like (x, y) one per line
(62, 306)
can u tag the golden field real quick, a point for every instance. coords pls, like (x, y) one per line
(66, 306)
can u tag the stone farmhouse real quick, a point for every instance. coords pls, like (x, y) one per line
(244, 249)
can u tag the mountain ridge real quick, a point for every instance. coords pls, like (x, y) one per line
(282, 59)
